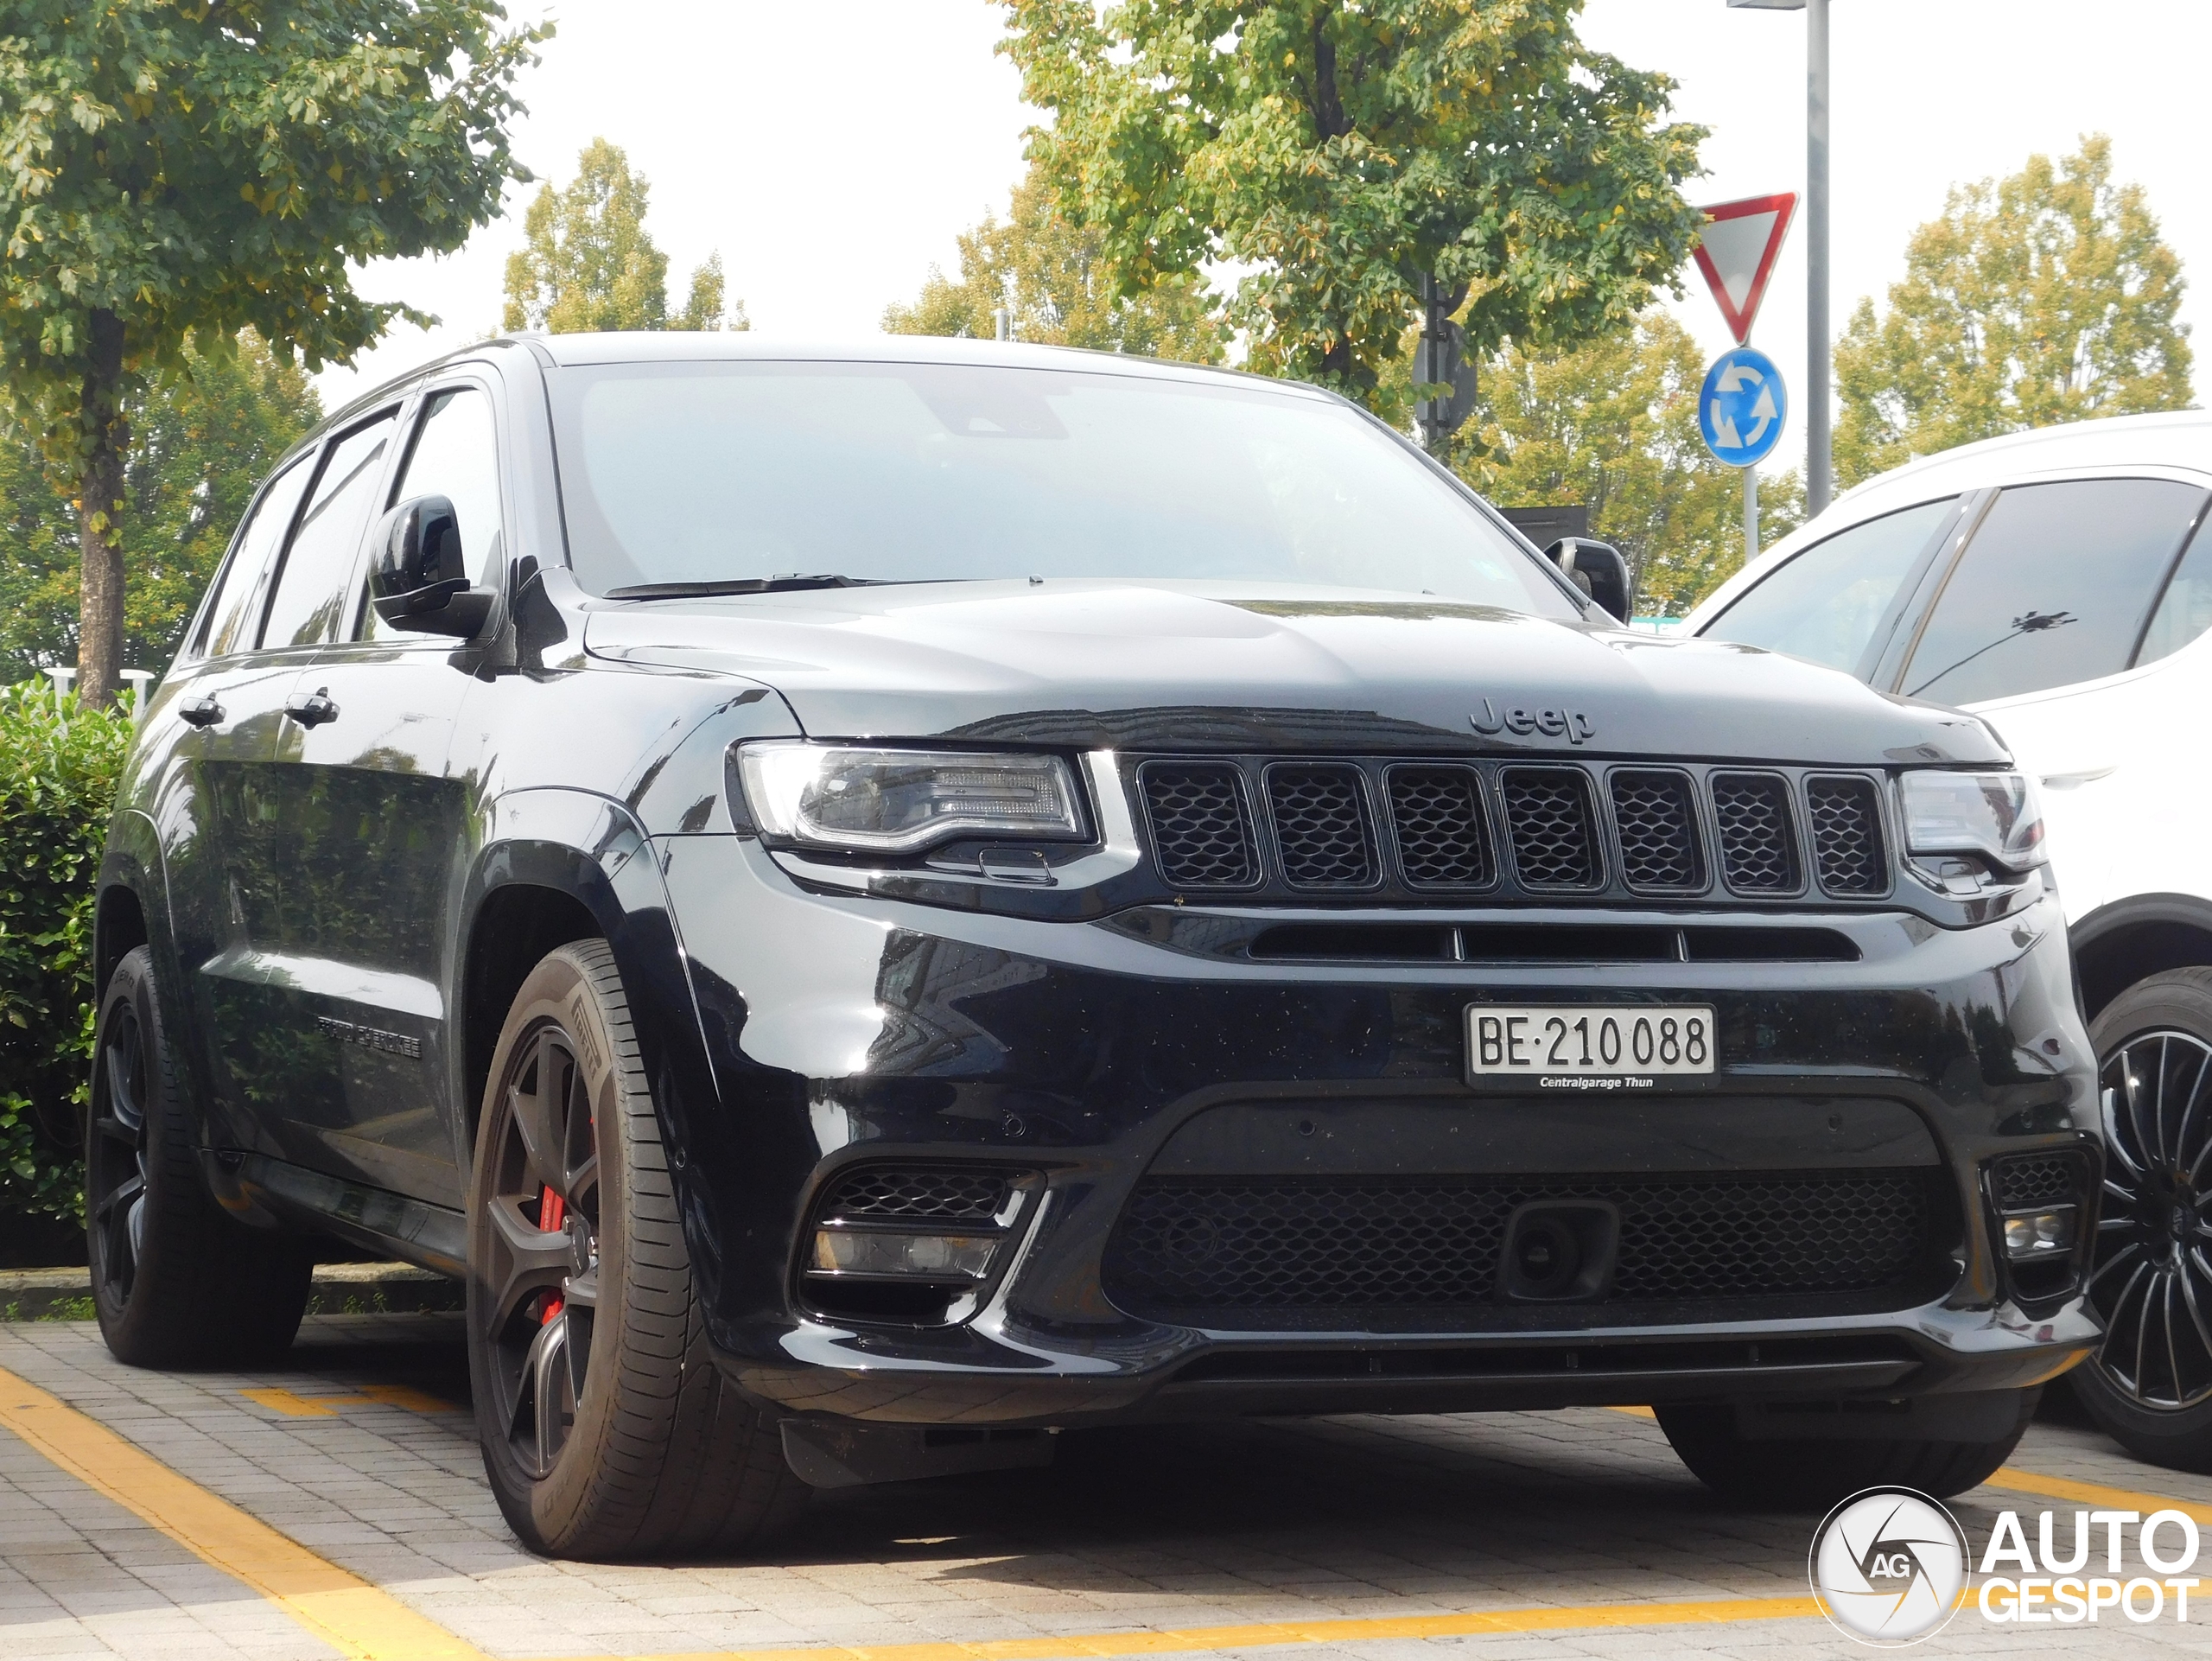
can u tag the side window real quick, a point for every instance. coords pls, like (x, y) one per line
(237, 607)
(455, 455)
(317, 577)
(1826, 603)
(2053, 588)
(2185, 611)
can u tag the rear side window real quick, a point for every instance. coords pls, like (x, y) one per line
(2185, 611)
(2054, 588)
(1825, 604)
(317, 577)
(237, 607)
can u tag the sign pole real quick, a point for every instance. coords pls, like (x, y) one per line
(1818, 472)
(1750, 514)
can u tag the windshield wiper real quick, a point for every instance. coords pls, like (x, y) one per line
(746, 585)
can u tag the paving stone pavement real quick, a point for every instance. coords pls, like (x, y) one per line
(1170, 1528)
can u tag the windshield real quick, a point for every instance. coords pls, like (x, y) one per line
(708, 473)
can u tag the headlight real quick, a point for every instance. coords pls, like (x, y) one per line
(1993, 815)
(898, 801)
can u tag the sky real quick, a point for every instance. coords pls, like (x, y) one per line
(832, 165)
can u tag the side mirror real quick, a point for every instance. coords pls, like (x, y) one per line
(420, 582)
(1597, 568)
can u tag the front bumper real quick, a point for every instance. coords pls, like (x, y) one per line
(845, 1031)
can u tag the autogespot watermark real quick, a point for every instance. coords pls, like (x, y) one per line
(1890, 1567)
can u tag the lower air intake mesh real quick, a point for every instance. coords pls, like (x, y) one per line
(1275, 1246)
(2029, 1180)
(881, 1194)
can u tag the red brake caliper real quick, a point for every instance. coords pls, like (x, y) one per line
(552, 1215)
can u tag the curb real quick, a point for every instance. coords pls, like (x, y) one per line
(338, 1290)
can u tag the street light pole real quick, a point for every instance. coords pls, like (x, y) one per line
(1819, 481)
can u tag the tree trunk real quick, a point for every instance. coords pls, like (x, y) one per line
(99, 495)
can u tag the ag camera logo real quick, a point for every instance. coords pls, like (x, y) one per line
(1888, 1565)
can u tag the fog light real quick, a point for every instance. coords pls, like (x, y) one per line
(922, 1256)
(2040, 1233)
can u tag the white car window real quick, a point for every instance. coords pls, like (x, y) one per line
(1825, 603)
(2186, 610)
(2053, 588)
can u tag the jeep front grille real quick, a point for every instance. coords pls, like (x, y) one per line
(1285, 828)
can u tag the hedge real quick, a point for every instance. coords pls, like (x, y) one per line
(59, 763)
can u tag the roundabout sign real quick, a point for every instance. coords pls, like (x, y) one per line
(1741, 407)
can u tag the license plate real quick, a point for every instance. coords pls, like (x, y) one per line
(1586, 1046)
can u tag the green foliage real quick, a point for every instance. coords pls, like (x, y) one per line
(588, 262)
(1338, 149)
(1051, 276)
(1612, 425)
(174, 170)
(2047, 296)
(58, 772)
(206, 435)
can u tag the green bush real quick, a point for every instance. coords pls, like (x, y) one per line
(59, 763)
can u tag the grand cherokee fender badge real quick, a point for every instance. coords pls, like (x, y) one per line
(1570, 724)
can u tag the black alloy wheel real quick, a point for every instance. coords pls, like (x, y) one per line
(2151, 1277)
(608, 1430)
(541, 1270)
(115, 1155)
(2149, 1384)
(176, 1281)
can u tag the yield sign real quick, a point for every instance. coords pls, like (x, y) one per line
(1737, 254)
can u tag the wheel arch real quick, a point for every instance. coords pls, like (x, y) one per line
(2121, 944)
(130, 908)
(558, 866)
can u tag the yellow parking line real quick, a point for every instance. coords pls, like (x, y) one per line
(2096, 1493)
(1076, 1646)
(363, 1621)
(324, 1407)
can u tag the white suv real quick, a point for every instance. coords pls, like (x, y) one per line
(2059, 585)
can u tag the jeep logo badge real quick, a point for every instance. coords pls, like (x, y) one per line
(1570, 724)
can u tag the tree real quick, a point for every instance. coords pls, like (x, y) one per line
(204, 434)
(1340, 150)
(171, 169)
(1612, 424)
(2047, 296)
(1050, 276)
(588, 261)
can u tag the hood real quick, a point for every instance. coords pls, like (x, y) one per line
(1213, 667)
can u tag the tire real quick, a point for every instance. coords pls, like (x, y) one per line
(1812, 1475)
(2149, 1386)
(176, 1282)
(645, 1450)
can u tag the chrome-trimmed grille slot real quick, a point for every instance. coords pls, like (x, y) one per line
(1441, 827)
(1655, 820)
(1201, 831)
(1550, 822)
(1849, 851)
(1324, 837)
(1758, 839)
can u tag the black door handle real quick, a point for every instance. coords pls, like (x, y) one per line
(201, 712)
(315, 710)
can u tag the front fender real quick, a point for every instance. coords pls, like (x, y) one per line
(594, 849)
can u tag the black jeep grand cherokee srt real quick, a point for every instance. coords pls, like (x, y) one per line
(881, 905)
